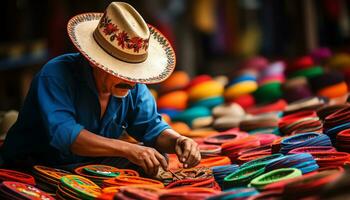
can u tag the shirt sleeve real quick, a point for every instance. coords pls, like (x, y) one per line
(144, 122)
(55, 100)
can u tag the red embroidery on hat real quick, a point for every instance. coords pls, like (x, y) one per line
(136, 43)
(110, 28)
(123, 39)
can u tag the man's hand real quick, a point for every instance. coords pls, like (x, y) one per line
(147, 158)
(187, 151)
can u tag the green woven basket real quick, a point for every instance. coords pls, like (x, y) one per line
(275, 176)
(243, 176)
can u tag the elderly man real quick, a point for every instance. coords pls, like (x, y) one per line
(79, 104)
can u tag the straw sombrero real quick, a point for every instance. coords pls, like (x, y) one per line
(120, 42)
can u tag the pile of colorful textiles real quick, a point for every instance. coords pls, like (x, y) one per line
(272, 130)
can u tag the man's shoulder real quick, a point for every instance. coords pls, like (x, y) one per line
(62, 66)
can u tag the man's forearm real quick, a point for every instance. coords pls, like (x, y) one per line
(166, 141)
(90, 144)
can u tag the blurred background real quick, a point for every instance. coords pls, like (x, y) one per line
(209, 36)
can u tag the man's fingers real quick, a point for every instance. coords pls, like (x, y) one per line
(196, 160)
(149, 166)
(144, 166)
(161, 160)
(192, 158)
(178, 151)
(186, 151)
(156, 165)
(194, 155)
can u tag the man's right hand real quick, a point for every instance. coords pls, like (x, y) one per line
(148, 158)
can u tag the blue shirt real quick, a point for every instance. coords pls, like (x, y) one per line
(62, 101)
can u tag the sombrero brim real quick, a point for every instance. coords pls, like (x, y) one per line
(158, 66)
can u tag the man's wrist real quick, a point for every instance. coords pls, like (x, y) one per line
(166, 141)
(121, 148)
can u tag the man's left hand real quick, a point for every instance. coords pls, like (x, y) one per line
(187, 151)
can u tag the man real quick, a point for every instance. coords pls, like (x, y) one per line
(79, 104)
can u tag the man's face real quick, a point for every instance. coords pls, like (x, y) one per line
(109, 84)
(118, 87)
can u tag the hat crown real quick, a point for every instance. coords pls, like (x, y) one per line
(123, 33)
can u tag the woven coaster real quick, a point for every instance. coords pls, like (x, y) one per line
(101, 170)
(52, 173)
(27, 191)
(83, 186)
(11, 175)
